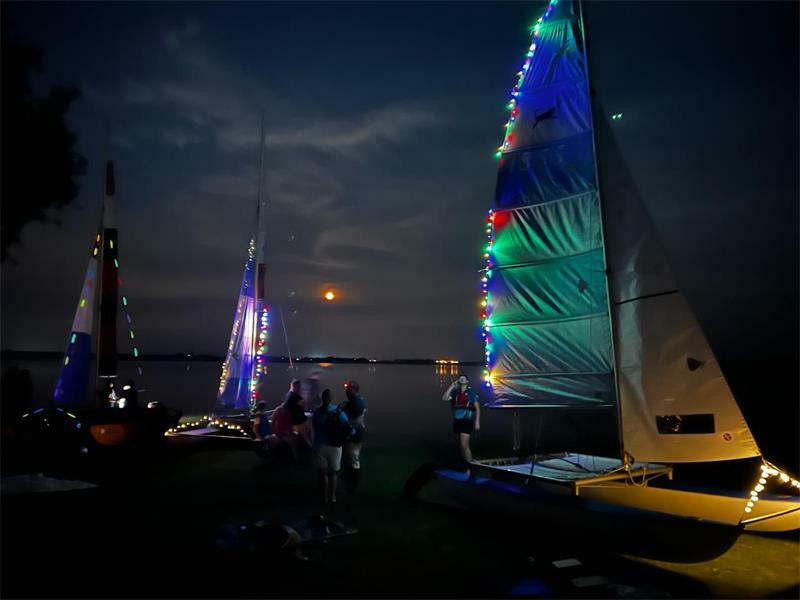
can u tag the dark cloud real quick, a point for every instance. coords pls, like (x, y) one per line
(380, 122)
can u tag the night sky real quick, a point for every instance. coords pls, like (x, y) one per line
(381, 120)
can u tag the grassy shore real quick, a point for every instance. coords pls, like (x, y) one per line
(149, 529)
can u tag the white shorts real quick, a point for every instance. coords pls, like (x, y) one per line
(329, 458)
(352, 455)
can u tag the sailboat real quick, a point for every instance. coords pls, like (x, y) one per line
(81, 407)
(581, 310)
(245, 366)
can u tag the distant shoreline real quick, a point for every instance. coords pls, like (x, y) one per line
(192, 357)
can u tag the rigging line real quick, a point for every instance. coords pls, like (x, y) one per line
(538, 441)
(286, 337)
(647, 296)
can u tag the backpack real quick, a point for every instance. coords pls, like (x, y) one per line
(336, 430)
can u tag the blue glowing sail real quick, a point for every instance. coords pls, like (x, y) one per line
(547, 325)
(99, 286)
(73, 381)
(237, 370)
(245, 363)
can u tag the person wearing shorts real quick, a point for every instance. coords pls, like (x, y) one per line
(466, 414)
(327, 456)
(355, 407)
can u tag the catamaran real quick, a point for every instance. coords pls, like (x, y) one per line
(77, 404)
(581, 310)
(245, 366)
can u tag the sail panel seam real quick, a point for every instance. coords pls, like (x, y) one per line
(550, 321)
(529, 206)
(646, 297)
(550, 144)
(553, 374)
(546, 260)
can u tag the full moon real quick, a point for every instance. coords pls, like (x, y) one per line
(329, 296)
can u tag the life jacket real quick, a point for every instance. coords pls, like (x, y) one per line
(463, 400)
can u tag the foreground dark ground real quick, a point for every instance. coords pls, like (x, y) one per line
(148, 530)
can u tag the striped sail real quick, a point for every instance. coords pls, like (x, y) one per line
(73, 381)
(101, 283)
(547, 327)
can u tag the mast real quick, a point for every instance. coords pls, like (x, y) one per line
(245, 362)
(618, 405)
(109, 284)
(260, 323)
(96, 312)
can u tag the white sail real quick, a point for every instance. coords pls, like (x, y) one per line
(675, 403)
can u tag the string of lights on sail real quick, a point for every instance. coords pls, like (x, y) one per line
(237, 370)
(101, 284)
(545, 307)
(245, 363)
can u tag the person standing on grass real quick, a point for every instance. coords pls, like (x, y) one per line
(331, 429)
(466, 414)
(354, 407)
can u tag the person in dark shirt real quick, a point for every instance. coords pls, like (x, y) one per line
(327, 449)
(310, 392)
(355, 408)
(293, 402)
(300, 422)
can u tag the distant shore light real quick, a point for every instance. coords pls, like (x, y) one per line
(329, 295)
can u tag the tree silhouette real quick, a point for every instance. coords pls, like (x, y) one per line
(38, 162)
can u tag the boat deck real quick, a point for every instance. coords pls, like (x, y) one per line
(573, 469)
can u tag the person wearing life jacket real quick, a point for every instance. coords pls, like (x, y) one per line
(466, 414)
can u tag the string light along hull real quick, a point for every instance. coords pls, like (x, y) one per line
(579, 310)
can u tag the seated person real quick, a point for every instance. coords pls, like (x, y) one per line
(261, 425)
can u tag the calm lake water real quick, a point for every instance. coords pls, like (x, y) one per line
(404, 401)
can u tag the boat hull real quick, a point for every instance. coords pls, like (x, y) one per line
(770, 513)
(621, 518)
